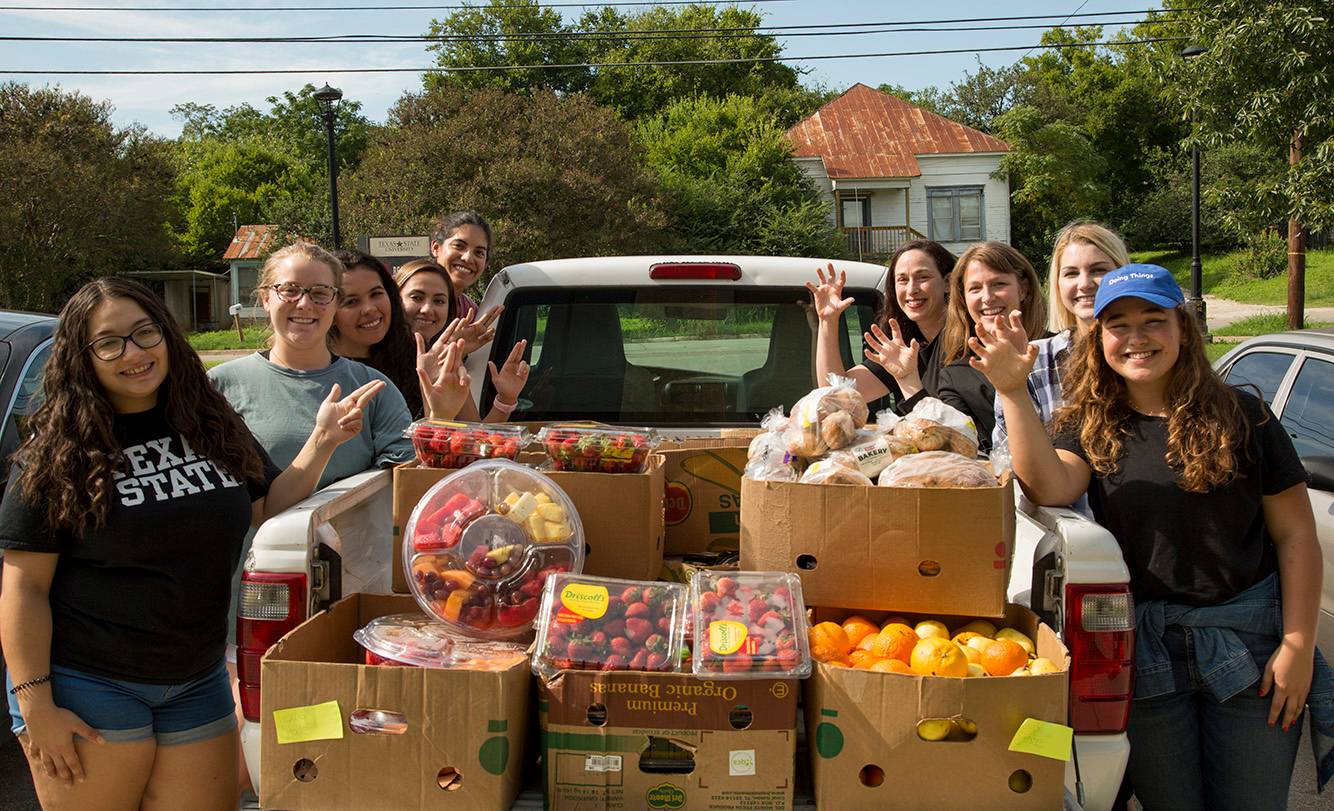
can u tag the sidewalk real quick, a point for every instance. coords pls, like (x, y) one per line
(221, 355)
(1222, 312)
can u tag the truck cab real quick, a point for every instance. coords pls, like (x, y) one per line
(693, 345)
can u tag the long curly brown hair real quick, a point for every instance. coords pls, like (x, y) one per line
(69, 459)
(959, 324)
(1207, 433)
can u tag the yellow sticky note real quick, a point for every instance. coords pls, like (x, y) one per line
(318, 722)
(1043, 738)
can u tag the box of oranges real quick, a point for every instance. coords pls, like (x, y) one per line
(897, 696)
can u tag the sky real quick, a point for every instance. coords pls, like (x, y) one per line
(148, 100)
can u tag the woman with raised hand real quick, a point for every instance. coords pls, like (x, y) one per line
(370, 325)
(461, 244)
(279, 390)
(1082, 254)
(1204, 493)
(122, 526)
(902, 355)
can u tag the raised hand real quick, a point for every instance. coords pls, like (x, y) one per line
(828, 295)
(510, 378)
(445, 383)
(340, 418)
(476, 329)
(898, 357)
(1003, 352)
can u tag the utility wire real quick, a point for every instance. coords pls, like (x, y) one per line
(481, 68)
(595, 36)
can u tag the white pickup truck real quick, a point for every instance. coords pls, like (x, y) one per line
(692, 345)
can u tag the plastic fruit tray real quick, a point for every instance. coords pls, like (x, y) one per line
(601, 449)
(413, 640)
(602, 623)
(481, 543)
(748, 622)
(445, 444)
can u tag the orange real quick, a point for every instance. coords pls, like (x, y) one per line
(934, 656)
(889, 666)
(862, 658)
(857, 627)
(896, 642)
(1003, 657)
(829, 642)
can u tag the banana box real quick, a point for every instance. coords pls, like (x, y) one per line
(702, 499)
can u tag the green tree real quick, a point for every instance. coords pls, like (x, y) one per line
(554, 175)
(82, 197)
(505, 32)
(731, 184)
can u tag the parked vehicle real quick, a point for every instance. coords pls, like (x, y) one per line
(691, 345)
(1294, 372)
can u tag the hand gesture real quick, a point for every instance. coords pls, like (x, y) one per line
(476, 329)
(1288, 673)
(1004, 354)
(445, 383)
(50, 742)
(828, 295)
(890, 351)
(510, 378)
(340, 418)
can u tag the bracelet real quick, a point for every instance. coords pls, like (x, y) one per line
(503, 407)
(18, 688)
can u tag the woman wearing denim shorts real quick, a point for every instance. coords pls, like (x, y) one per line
(121, 527)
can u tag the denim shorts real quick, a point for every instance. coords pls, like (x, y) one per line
(131, 711)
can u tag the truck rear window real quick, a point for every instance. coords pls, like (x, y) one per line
(668, 355)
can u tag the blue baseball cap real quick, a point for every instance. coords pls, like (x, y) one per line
(1152, 283)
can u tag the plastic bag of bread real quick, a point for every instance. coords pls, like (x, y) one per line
(769, 460)
(938, 469)
(935, 426)
(875, 453)
(837, 468)
(826, 419)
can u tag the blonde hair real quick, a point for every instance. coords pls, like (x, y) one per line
(959, 324)
(1084, 232)
(305, 250)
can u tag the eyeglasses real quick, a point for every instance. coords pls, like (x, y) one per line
(111, 347)
(291, 291)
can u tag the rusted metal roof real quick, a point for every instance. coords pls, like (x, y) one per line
(867, 133)
(251, 242)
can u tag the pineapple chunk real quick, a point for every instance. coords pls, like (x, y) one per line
(520, 507)
(551, 512)
(543, 498)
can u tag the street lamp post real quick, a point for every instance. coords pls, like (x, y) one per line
(328, 97)
(1195, 301)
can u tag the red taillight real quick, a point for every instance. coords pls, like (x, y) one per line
(270, 606)
(1100, 633)
(707, 271)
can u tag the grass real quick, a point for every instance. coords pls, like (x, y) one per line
(1216, 351)
(1218, 277)
(256, 337)
(1263, 325)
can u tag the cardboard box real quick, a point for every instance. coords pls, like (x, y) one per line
(621, 514)
(703, 498)
(866, 754)
(464, 742)
(929, 550)
(667, 740)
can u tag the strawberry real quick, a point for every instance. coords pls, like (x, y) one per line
(637, 610)
(756, 609)
(787, 658)
(782, 593)
(655, 661)
(630, 595)
(580, 650)
(665, 624)
(768, 615)
(620, 645)
(735, 608)
(640, 660)
(737, 663)
(637, 630)
(614, 662)
(615, 628)
(598, 638)
(656, 643)
(725, 586)
(708, 602)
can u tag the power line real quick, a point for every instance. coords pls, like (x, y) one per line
(1062, 23)
(481, 68)
(693, 33)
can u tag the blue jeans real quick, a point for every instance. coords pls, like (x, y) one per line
(1190, 751)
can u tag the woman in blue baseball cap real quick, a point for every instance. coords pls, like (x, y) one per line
(1207, 498)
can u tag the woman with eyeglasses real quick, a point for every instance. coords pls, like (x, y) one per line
(121, 527)
(278, 391)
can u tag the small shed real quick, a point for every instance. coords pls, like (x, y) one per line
(244, 257)
(197, 299)
(892, 172)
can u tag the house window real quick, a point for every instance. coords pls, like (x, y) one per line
(955, 213)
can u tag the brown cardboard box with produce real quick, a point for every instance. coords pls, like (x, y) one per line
(894, 740)
(621, 515)
(358, 737)
(923, 549)
(628, 740)
(703, 498)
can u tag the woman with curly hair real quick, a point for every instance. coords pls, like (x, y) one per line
(1207, 498)
(122, 527)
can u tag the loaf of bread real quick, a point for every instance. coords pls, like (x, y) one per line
(937, 469)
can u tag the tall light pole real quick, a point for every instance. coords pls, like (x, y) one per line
(1196, 298)
(328, 97)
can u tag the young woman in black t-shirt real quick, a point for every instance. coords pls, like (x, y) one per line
(1207, 499)
(121, 527)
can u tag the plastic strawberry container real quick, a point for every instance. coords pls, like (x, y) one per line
(747, 623)
(598, 449)
(448, 444)
(604, 623)
(413, 640)
(481, 543)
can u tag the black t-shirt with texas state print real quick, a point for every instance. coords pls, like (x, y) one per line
(1195, 549)
(145, 597)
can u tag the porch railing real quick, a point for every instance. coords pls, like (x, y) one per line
(878, 241)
